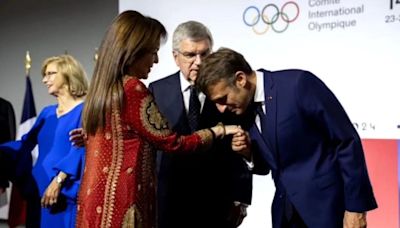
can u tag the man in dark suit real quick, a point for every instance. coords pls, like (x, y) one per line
(302, 134)
(200, 190)
(7, 133)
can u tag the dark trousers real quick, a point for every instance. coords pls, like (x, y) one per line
(291, 218)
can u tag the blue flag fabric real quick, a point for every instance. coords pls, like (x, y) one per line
(28, 110)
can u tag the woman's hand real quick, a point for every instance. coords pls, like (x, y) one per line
(50, 196)
(220, 130)
(232, 129)
(77, 137)
(52, 192)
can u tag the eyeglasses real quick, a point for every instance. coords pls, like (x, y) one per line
(191, 56)
(49, 74)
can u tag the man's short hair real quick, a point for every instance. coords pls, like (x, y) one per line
(221, 65)
(192, 30)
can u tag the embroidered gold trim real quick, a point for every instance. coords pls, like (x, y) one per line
(152, 118)
(131, 217)
(146, 196)
(206, 139)
(115, 167)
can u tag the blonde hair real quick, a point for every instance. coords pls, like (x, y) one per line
(72, 72)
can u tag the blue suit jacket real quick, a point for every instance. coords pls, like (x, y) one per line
(197, 190)
(312, 149)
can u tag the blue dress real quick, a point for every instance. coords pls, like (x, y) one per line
(51, 134)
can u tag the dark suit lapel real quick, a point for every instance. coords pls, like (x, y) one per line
(174, 105)
(266, 141)
(270, 108)
(263, 147)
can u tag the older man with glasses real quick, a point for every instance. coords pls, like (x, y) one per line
(209, 189)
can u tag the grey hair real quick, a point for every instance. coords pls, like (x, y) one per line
(192, 30)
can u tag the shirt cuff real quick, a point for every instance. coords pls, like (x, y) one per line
(237, 203)
(249, 164)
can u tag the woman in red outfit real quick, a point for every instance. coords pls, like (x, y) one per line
(124, 127)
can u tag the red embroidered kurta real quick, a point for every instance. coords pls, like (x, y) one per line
(119, 182)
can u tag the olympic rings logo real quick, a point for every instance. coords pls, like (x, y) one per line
(286, 15)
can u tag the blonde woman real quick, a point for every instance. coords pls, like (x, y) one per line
(52, 184)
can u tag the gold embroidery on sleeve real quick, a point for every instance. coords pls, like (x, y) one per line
(206, 139)
(152, 118)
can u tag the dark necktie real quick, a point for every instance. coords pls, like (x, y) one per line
(263, 118)
(264, 129)
(194, 109)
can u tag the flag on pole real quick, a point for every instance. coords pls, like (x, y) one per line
(28, 116)
(17, 210)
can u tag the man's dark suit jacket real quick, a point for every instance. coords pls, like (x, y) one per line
(313, 151)
(7, 133)
(17, 170)
(198, 189)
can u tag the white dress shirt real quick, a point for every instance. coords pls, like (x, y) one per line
(185, 88)
(259, 95)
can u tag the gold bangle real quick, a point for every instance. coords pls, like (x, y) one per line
(223, 129)
(212, 133)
